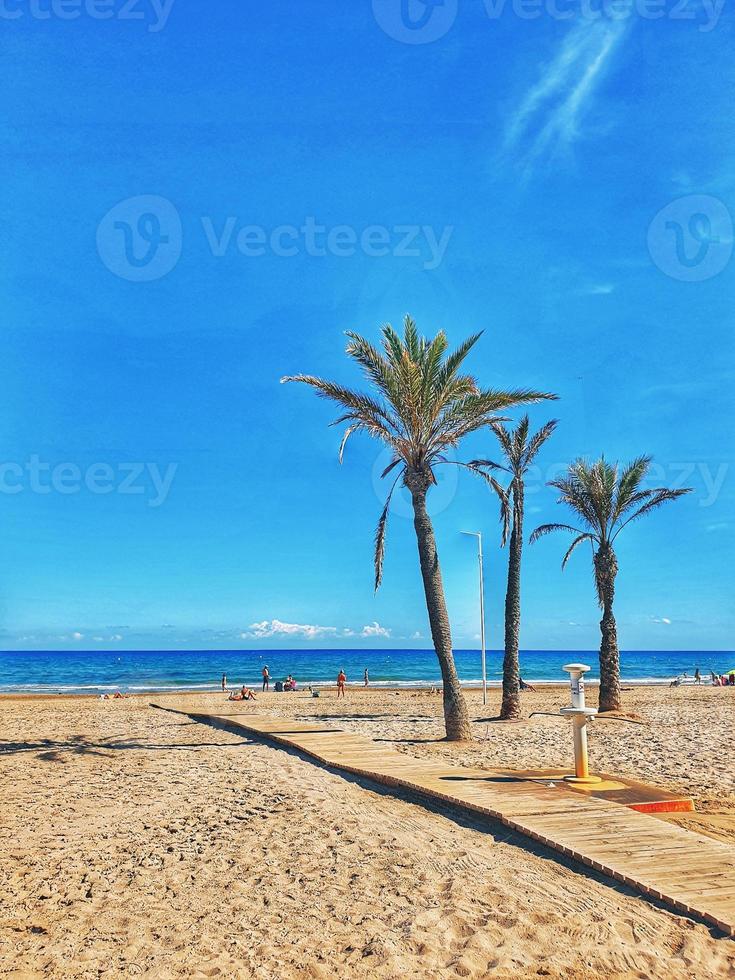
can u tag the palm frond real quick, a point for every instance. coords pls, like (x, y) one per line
(505, 439)
(545, 529)
(347, 433)
(456, 358)
(582, 537)
(537, 440)
(411, 338)
(489, 464)
(374, 364)
(520, 435)
(354, 400)
(392, 465)
(380, 536)
(660, 497)
(628, 484)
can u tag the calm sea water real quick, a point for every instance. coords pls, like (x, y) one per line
(90, 672)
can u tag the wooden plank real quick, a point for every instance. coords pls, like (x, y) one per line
(690, 872)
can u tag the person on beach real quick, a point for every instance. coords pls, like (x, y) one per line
(224, 683)
(524, 686)
(266, 678)
(341, 681)
(367, 678)
(697, 676)
(245, 695)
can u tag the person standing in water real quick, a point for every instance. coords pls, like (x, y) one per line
(697, 676)
(224, 682)
(266, 678)
(341, 681)
(367, 678)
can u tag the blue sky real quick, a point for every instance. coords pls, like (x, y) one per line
(197, 201)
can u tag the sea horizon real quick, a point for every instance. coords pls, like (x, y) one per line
(141, 671)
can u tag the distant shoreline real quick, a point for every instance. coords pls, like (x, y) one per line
(377, 688)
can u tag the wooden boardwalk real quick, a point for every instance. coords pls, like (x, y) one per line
(691, 873)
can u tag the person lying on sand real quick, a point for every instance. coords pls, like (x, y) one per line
(110, 697)
(525, 686)
(245, 695)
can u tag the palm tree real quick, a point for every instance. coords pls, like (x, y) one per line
(519, 451)
(423, 407)
(606, 501)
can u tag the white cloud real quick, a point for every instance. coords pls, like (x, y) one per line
(549, 117)
(348, 632)
(375, 630)
(77, 636)
(598, 289)
(416, 636)
(661, 620)
(116, 637)
(274, 627)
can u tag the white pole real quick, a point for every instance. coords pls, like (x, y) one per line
(478, 535)
(580, 714)
(482, 620)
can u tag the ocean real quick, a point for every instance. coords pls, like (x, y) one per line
(80, 672)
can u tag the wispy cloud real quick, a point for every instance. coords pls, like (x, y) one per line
(375, 630)
(597, 289)
(550, 115)
(274, 627)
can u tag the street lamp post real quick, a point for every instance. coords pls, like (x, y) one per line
(478, 535)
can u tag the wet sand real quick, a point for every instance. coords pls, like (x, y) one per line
(136, 841)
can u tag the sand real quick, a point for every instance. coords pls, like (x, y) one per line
(137, 842)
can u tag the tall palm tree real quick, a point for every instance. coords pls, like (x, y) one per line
(605, 502)
(423, 407)
(519, 451)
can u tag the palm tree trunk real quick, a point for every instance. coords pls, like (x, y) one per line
(511, 704)
(606, 568)
(456, 717)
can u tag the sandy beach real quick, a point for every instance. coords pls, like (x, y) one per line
(136, 841)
